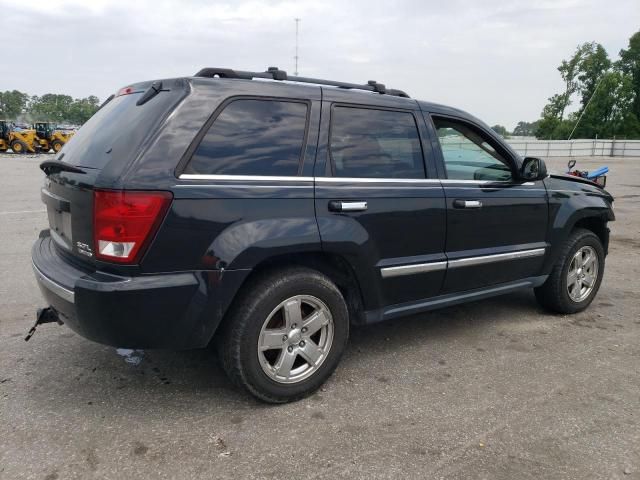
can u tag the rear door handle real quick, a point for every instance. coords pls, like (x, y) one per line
(339, 206)
(467, 204)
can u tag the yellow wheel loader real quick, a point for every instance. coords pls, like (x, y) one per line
(17, 139)
(49, 137)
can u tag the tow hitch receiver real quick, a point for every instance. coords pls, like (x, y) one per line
(44, 315)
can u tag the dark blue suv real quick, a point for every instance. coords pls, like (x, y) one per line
(269, 213)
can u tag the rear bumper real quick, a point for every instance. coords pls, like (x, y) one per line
(169, 310)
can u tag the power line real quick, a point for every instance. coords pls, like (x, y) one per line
(587, 105)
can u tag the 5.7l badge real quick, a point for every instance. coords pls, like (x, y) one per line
(84, 249)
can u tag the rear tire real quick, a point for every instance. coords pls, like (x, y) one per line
(19, 146)
(57, 145)
(576, 276)
(285, 334)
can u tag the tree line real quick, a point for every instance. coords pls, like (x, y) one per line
(606, 92)
(51, 107)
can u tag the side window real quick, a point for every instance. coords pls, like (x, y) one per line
(467, 155)
(370, 143)
(253, 137)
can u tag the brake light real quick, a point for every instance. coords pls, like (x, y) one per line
(124, 222)
(127, 91)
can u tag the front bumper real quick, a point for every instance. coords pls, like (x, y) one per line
(168, 310)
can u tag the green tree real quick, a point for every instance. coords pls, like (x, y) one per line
(569, 70)
(12, 104)
(593, 65)
(526, 129)
(609, 109)
(82, 109)
(629, 64)
(608, 94)
(51, 107)
(501, 130)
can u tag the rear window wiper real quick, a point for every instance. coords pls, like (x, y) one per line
(55, 166)
(152, 91)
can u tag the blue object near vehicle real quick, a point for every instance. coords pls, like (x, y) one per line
(598, 176)
(597, 173)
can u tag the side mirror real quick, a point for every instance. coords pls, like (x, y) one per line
(533, 169)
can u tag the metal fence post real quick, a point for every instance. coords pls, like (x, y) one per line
(593, 149)
(570, 148)
(525, 148)
(613, 146)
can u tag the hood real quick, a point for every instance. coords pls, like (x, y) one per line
(595, 187)
(573, 178)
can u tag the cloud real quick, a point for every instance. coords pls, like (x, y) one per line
(495, 59)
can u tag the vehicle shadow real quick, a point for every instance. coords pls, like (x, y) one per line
(194, 379)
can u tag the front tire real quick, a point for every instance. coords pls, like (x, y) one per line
(285, 334)
(576, 276)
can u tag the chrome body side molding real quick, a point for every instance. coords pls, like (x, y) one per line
(389, 272)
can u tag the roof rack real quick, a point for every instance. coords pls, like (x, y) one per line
(273, 73)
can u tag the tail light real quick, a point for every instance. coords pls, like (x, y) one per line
(125, 222)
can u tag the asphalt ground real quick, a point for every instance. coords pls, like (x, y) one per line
(495, 389)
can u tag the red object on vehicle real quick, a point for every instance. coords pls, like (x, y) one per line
(126, 91)
(124, 222)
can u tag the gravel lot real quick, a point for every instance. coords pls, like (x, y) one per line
(492, 389)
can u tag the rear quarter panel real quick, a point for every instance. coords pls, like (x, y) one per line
(234, 226)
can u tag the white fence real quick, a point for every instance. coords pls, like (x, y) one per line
(575, 148)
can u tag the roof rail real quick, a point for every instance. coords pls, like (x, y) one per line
(273, 73)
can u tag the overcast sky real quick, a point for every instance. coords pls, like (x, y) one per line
(496, 59)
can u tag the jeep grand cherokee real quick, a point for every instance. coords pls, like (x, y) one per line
(269, 213)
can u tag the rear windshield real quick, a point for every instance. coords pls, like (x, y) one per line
(118, 129)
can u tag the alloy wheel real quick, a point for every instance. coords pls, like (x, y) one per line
(582, 274)
(295, 339)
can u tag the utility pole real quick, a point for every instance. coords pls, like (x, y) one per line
(296, 56)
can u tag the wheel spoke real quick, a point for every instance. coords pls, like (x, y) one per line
(578, 287)
(285, 363)
(571, 278)
(315, 322)
(272, 339)
(577, 259)
(589, 280)
(310, 352)
(292, 313)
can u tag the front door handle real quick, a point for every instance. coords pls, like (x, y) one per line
(340, 206)
(467, 204)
